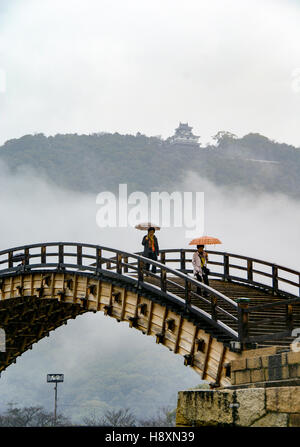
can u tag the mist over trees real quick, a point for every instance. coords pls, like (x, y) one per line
(101, 161)
(90, 163)
(31, 417)
(14, 416)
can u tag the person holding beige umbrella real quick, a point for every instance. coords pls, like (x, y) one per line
(150, 243)
(200, 259)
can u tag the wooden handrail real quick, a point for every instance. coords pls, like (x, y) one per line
(114, 261)
(227, 265)
(121, 263)
(275, 274)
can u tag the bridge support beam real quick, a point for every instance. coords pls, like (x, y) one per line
(49, 299)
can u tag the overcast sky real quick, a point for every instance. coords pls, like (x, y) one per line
(134, 65)
(125, 66)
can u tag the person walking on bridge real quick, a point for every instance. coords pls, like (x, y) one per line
(201, 271)
(151, 248)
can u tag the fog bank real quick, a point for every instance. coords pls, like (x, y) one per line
(33, 211)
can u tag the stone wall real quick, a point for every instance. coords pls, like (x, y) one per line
(264, 392)
(284, 366)
(249, 407)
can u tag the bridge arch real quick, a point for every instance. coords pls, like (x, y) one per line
(46, 301)
(44, 285)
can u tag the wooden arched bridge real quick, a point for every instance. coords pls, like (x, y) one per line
(250, 303)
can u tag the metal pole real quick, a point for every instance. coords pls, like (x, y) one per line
(55, 402)
(55, 378)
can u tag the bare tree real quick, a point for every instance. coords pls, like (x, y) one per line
(113, 418)
(30, 417)
(165, 417)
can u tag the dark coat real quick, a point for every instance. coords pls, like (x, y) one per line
(147, 249)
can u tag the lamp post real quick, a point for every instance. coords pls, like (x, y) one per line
(55, 378)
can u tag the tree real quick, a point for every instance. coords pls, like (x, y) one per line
(30, 417)
(113, 418)
(223, 135)
(165, 417)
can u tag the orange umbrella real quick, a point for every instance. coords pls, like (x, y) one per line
(205, 240)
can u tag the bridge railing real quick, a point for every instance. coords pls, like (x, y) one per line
(173, 284)
(276, 279)
(172, 278)
(231, 267)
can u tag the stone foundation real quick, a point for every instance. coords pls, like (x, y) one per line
(264, 392)
(249, 407)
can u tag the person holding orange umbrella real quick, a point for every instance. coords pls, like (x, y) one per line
(200, 259)
(199, 262)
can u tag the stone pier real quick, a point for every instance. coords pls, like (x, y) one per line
(265, 392)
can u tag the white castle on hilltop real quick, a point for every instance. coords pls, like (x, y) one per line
(184, 136)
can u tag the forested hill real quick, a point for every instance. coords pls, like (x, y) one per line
(102, 161)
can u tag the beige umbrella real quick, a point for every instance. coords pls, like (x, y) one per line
(146, 225)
